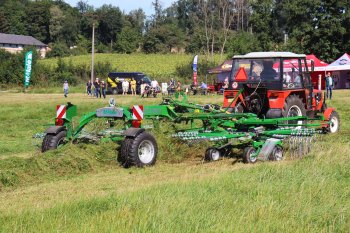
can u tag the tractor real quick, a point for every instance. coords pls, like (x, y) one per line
(274, 85)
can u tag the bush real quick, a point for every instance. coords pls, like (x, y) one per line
(242, 43)
(59, 49)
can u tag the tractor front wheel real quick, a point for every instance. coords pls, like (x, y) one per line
(249, 155)
(334, 122)
(53, 141)
(139, 151)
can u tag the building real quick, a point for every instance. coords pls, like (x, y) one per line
(16, 43)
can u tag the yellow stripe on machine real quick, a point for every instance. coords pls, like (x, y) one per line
(111, 82)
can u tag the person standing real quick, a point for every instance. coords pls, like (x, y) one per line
(97, 88)
(164, 88)
(133, 86)
(65, 88)
(171, 86)
(178, 86)
(103, 89)
(329, 85)
(204, 88)
(88, 87)
(125, 86)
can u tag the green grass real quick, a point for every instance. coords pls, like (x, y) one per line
(79, 188)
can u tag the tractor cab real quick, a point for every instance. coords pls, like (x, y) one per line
(271, 85)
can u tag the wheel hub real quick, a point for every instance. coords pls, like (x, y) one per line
(215, 154)
(333, 125)
(295, 111)
(146, 151)
(252, 156)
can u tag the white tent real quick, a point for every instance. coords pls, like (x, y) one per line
(342, 63)
(341, 71)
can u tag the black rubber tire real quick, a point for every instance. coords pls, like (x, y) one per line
(246, 155)
(52, 141)
(210, 156)
(294, 102)
(129, 152)
(334, 117)
(276, 154)
(115, 91)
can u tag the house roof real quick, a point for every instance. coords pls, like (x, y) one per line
(19, 39)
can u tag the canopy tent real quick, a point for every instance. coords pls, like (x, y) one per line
(224, 67)
(341, 71)
(288, 65)
(222, 72)
(342, 63)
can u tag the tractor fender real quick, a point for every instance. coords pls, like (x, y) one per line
(55, 129)
(133, 132)
(327, 113)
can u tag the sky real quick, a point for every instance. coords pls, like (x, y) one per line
(126, 5)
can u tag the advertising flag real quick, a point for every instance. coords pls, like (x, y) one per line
(195, 61)
(27, 68)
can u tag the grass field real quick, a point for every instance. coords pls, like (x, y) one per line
(80, 188)
(154, 65)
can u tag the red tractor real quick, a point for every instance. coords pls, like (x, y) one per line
(265, 84)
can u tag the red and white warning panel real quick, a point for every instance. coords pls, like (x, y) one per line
(61, 111)
(137, 112)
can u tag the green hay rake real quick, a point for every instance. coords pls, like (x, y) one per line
(260, 139)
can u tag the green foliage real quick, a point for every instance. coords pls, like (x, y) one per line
(58, 49)
(109, 24)
(163, 39)
(312, 26)
(12, 67)
(242, 43)
(38, 20)
(129, 40)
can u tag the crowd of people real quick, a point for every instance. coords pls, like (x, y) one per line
(98, 88)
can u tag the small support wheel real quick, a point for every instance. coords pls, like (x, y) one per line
(276, 154)
(212, 154)
(334, 122)
(249, 155)
(139, 151)
(53, 141)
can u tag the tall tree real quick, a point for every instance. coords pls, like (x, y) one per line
(111, 21)
(14, 15)
(38, 20)
(56, 23)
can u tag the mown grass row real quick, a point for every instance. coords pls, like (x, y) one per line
(21, 161)
(80, 188)
(308, 195)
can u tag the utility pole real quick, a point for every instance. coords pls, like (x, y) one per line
(92, 52)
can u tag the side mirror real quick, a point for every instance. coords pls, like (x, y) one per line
(312, 66)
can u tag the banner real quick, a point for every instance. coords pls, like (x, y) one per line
(27, 68)
(195, 61)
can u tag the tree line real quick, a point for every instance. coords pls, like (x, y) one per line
(227, 27)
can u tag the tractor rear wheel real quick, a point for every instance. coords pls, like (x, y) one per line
(52, 141)
(249, 155)
(139, 151)
(294, 106)
(335, 122)
(212, 154)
